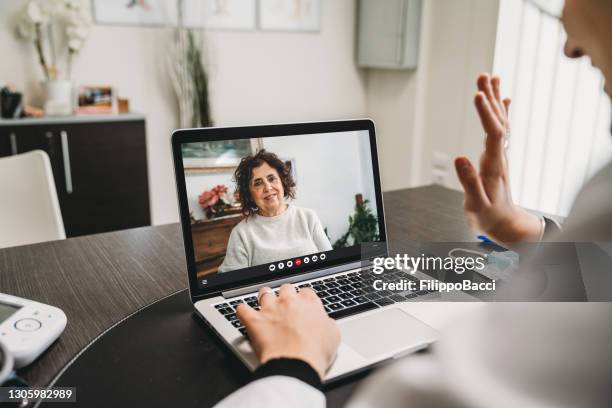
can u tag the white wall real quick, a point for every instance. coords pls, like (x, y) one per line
(330, 170)
(430, 109)
(256, 77)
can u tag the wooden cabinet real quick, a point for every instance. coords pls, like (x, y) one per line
(388, 33)
(99, 166)
(210, 240)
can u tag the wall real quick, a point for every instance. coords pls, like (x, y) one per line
(256, 77)
(260, 77)
(430, 109)
(330, 170)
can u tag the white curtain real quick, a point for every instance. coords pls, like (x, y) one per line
(560, 115)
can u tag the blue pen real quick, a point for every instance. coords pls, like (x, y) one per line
(485, 239)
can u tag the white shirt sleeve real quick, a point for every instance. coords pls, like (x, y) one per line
(414, 383)
(528, 355)
(275, 391)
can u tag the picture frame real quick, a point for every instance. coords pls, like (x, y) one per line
(219, 156)
(235, 15)
(199, 14)
(289, 15)
(156, 13)
(96, 99)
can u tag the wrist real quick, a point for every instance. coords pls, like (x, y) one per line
(288, 367)
(318, 365)
(530, 227)
(519, 226)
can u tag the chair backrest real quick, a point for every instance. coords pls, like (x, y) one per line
(29, 208)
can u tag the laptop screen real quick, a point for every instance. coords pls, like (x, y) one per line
(278, 205)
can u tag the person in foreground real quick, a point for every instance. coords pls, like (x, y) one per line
(508, 355)
(274, 228)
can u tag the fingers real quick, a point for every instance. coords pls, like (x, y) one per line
(488, 118)
(475, 195)
(507, 103)
(492, 127)
(308, 293)
(267, 298)
(495, 83)
(505, 108)
(486, 86)
(246, 314)
(287, 292)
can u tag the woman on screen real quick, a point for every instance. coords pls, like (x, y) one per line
(274, 229)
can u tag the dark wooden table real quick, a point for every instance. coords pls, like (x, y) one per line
(99, 279)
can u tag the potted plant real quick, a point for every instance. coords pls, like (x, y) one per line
(363, 226)
(56, 28)
(188, 74)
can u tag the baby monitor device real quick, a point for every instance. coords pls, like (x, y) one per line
(6, 364)
(27, 327)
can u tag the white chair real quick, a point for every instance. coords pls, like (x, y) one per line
(29, 208)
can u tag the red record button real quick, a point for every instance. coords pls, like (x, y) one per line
(298, 262)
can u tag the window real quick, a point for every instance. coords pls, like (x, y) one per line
(560, 115)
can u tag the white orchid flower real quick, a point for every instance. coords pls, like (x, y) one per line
(25, 29)
(78, 32)
(74, 45)
(35, 13)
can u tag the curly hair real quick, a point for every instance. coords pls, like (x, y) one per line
(244, 173)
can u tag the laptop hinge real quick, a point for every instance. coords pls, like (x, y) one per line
(296, 278)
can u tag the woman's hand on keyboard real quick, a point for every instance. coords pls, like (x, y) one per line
(292, 325)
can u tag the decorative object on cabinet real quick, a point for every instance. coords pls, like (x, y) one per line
(123, 105)
(95, 99)
(12, 106)
(10, 103)
(388, 33)
(57, 29)
(99, 164)
(218, 202)
(290, 15)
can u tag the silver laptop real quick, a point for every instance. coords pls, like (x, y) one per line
(331, 170)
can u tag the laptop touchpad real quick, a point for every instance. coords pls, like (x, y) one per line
(388, 331)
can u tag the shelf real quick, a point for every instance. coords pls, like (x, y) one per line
(54, 120)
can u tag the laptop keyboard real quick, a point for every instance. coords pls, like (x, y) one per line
(342, 295)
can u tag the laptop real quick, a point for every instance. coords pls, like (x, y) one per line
(329, 180)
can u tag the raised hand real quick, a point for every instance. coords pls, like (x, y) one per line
(488, 200)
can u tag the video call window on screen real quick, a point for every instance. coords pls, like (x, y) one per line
(261, 201)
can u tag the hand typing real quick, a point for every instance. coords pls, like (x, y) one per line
(292, 325)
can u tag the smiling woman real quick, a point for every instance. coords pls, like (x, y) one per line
(263, 183)
(274, 228)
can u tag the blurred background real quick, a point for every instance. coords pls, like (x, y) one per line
(410, 65)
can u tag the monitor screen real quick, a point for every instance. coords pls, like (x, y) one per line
(7, 310)
(278, 205)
